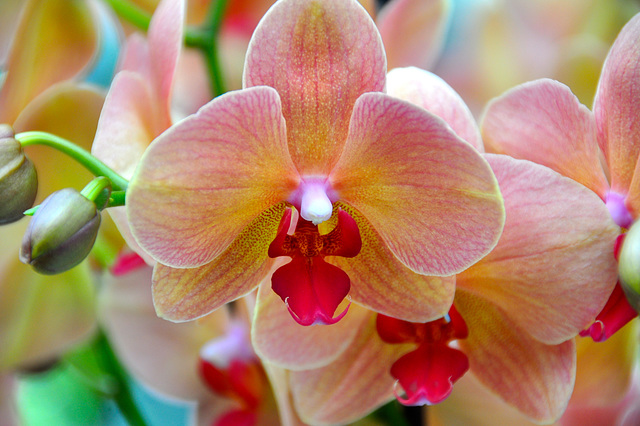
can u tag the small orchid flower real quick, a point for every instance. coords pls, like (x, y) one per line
(543, 121)
(312, 131)
(209, 361)
(515, 312)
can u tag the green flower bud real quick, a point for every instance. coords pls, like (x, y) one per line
(18, 179)
(61, 233)
(629, 266)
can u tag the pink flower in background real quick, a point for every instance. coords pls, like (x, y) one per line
(544, 122)
(312, 130)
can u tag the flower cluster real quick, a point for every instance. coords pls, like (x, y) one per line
(335, 234)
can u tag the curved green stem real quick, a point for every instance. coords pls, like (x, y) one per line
(82, 156)
(95, 189)
(130, 13)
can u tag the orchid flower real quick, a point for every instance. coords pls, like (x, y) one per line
(544, 122)
(515, 312)
(45, 95)
(209, 361)
(212, 198)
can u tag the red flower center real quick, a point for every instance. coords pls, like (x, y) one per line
(311, 288)
(426, 374)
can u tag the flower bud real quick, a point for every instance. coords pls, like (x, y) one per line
(629, 266)
(61, 233)
(18, 179)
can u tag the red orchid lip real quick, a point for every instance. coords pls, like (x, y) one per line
(427, 373)
(311, 288)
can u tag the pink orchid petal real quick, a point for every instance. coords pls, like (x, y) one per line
(413, 31)
(535, 378)
(279, 379)
(204, 180)
(135, 57)
(280, 340)
(382, 283)
(44, 52)
(127, 125)
(353, 385)
(605, 369)
(431, 197)
(554, 268)
(165, 42)
(427, 374)
(127, 313)
(481, 407)
(312, 289)
(616, 108)
(320, 57)
(542, 121)
(432, 93)
(186, 294)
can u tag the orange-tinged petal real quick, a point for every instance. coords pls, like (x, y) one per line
(187, 294)
(554, 267)
(432, 93)
(379, 281)
(617, 106)
(353, 385)
(54, 41)
(161, 354)
(320, 56)
(204, 180)
(413, 31)
(279, 379)
(533, 377)
(542, 121)
(481, 407)
(431, 196)
(280, 340)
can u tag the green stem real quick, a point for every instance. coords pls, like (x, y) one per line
(206, 40)
(95, 189)
(131, 13)
(123, 396)
(117, 199)
(82, 156)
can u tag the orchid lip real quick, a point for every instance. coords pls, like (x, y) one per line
(419, 398)
(319, 318)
